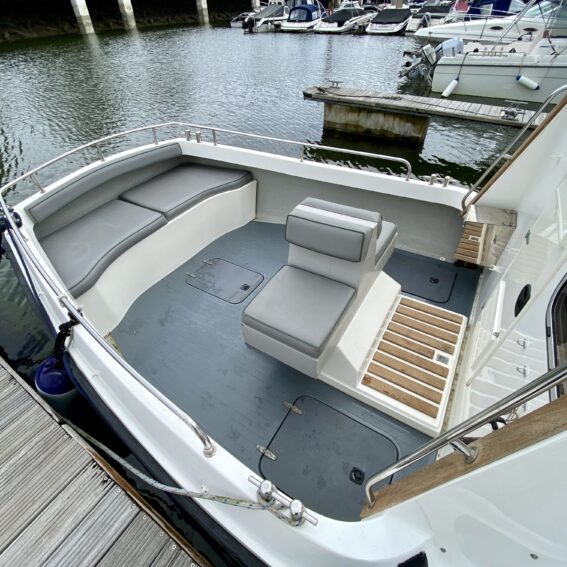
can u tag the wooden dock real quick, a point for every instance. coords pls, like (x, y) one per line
(62, 504)
(419, 105)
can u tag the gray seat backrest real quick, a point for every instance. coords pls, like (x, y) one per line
(82, 195)
(327, 239)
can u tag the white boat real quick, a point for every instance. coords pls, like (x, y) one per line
(429, 14)
(349, 17)
(268, 19)
(391, 21)
(300, 366)
(528, 24)
(524, 71)
(303, 18)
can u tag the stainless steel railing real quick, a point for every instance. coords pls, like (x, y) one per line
(454, 436)
(505, 154)
(154, 129)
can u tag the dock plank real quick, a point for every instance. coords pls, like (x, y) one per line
(60, 503)
(411, 104)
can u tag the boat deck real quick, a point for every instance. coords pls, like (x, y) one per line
(188, 343)
(60, 506)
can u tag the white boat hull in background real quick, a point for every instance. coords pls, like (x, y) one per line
(387, 29)
(494, 78)
(298, 27)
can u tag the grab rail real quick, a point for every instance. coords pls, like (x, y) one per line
(303, 145)
(32, 174)
(505, 154)
(454, 436)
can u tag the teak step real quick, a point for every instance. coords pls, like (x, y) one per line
(470, 245)
(414, 362)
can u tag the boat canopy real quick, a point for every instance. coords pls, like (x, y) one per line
(392, 16)
(495, 7)
(270, 11)
(344, 15)
(433, 9)
(304, 13)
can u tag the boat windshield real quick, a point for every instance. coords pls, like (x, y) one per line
(303, 14)
(540, 9)
(271, 11)
(344, 14)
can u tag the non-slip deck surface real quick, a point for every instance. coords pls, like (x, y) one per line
(415, 357)
(57, 506)
(188, 344)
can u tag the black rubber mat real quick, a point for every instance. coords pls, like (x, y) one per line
(224, 280)
(323, 457)
(427, 278)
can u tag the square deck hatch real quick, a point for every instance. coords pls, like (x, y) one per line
(323, 457)
(225, 280)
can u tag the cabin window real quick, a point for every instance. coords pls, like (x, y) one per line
(523, 298)
(559, 325)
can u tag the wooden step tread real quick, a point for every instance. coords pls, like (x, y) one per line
(469, 248)
(409, 370)
(413, 386)
(413, 358)
(414, 361)
(420, 337)
(425, 328)
(432, 310)
(410, 344)
(401, 395)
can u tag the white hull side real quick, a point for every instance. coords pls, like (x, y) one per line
(301, 27)
(349, 26)
(484, 31)
(387, 29)
(498, 80)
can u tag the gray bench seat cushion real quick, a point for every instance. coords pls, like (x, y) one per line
(385, 238)
(179, 189)
(82, 250)
(299, 309)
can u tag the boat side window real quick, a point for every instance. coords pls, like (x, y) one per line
(558, 325)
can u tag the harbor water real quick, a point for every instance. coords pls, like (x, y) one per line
(59, 93)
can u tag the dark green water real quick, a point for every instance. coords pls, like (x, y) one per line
(59, 93)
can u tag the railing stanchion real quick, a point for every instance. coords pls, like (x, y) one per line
(154, 132)
(37, 183)
(99, 152)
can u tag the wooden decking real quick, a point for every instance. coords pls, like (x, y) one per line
(418, 105)
(470, 244)
(59, 506)
(414, 362)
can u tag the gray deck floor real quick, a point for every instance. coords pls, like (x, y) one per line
(188, 344)
(58, 506)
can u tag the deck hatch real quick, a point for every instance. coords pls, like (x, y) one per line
(321, 455)
(225, 280)
(423, 277)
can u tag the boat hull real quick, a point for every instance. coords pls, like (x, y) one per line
(301, 27)
(348, 27)
(498, 79)
(387, 29)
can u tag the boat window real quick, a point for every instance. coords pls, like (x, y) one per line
(299, 16)
(558, 325)
(523, 298)
(539, 9)
(497, 28)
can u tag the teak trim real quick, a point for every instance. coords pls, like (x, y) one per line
(534, 427)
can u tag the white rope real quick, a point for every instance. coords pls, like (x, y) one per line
(204, 495)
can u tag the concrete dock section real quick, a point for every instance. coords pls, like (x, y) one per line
(62, 504)
(403, 117)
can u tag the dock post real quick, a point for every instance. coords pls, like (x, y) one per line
(127, 12)
(83, 16)
(203, 12)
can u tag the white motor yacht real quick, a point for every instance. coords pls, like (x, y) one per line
(527, 24)
(268, 19)
(349, 17)
(327, 366)
(391, 21)
(303, 18)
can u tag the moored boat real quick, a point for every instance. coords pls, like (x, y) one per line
(303, 18)
(349, 17)
(299, 365)
(391, 21)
